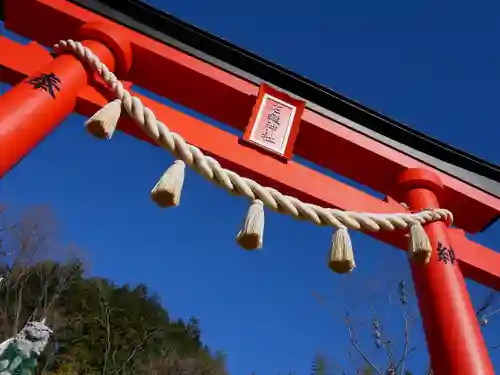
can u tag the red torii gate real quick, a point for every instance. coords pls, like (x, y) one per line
(222, 81)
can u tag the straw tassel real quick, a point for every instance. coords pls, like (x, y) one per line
(103, 123)
(167, 191)
(341, 255)
(420, 249)
(251, 236)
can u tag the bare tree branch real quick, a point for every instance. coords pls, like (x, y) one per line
(403, 304)
(354, 343)
(487, 303)
(139, 347)
(27, 247)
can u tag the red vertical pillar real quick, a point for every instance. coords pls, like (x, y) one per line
(456, 345)
(34, 107)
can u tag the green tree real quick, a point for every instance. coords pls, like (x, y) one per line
(99, 327)
(320, 365)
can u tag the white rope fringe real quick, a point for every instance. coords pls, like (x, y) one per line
(104, 122)
(419, 249)
(251, 236)
(341, 253)
(167, 191)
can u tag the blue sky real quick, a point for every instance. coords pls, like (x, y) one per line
(432, 65)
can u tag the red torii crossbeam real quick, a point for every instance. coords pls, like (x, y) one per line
(229, 98)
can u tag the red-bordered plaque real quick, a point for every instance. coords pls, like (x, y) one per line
(275, 121)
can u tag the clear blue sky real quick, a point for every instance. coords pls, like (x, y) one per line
(434, 65)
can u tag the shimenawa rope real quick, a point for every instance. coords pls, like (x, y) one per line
(167, 191)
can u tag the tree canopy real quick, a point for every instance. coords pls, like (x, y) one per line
(99, 327)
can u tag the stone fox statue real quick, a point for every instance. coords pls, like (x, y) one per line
(18, 355)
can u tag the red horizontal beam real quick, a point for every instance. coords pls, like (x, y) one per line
(20, 60)
(229, 99)
(479, 263)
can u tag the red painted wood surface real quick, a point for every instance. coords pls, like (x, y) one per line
(45, 112)
(477, 262)
(454, 339)
(230, 99)
(453, 335)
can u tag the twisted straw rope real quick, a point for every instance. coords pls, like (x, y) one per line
(231, 181)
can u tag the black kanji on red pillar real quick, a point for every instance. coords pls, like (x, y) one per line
(46, 81)
(445, 254)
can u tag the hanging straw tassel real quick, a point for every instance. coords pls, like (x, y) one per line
(251, 236)
(420, 249)
(341, 254)
(167, 191)
(103, 123)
